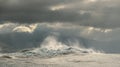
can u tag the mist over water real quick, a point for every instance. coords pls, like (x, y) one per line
(58, 36)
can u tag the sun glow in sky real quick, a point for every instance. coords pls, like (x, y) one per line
(93, 0)
(58, 7)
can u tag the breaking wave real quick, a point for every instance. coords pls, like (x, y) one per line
(51, 47)
(48, 40)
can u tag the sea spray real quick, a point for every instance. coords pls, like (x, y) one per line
(51, 47)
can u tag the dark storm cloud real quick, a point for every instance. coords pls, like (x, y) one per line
(37, 10)
(97, 13)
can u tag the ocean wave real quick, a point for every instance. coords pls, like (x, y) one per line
(51, 47)
(16, 37)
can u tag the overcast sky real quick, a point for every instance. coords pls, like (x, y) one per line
(98, 13)
(32, 21)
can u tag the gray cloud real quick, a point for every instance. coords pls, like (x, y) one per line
(97, 13)
(37, 10)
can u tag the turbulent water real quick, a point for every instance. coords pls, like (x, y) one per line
(48, 40)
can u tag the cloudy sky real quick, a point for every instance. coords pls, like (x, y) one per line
(88, 23)
(98, 13)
